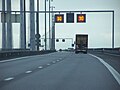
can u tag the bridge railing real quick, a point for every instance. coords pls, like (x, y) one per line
(8, 54)
(107, 50)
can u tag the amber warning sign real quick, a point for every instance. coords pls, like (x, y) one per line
(59, 18)
(81, 18)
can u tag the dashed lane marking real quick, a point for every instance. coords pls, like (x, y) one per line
(48, 64)
(53, 62)
(28, 72)
(57, 60)
(8, 79)
(40, 67)
(60, 58)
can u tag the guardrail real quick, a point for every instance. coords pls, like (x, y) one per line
(20, 53)
(107, 50)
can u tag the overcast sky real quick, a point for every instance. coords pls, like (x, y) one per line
(97, 26)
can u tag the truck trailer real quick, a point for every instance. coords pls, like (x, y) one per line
(81, 43)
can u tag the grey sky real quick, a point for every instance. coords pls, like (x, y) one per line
(98, 25)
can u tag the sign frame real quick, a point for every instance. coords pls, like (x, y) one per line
(69, 17)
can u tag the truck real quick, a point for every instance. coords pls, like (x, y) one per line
(81, 43)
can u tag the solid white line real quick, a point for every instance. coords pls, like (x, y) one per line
(110, 68)
(28, 72)
(10, 60)
(8, 79)
(40, 67)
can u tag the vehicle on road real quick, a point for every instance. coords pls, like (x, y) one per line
(81, 43)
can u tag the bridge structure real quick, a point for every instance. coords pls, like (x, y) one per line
(7, 18)
(26, 69)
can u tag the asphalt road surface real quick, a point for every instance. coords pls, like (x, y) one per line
(60, 71)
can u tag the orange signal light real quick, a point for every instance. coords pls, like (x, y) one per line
(81, 18)
(59, 18)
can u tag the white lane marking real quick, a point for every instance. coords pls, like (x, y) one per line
(40, 67)
(54, 62)
(10, 60)
(110, 68)
(28, 72)
(8, 79)
(48, 64)
(57, 60)
(60, 58)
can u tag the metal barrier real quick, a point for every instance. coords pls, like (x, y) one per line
(107, 50)
(15, 53)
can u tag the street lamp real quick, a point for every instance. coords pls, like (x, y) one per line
(24, 24)
(52, 7)
(49, 11)
(53, 30)
(49, 19)
(37, 26)
(45, 26)
(45, 21)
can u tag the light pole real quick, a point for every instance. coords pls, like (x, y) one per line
(3, 26)
(24, 25)
(113, 36)
(45, 26)
(49, 23)
(53, 30)
(37, 27)
(9, 26)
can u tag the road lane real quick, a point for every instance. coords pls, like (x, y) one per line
(113, 60)
(74, 72)
(20, 66)
(110, 68)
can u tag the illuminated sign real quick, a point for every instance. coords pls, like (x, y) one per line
(69, 17)
(81, 18)
(59, 18)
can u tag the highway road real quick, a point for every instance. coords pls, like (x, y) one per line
(61, 71)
